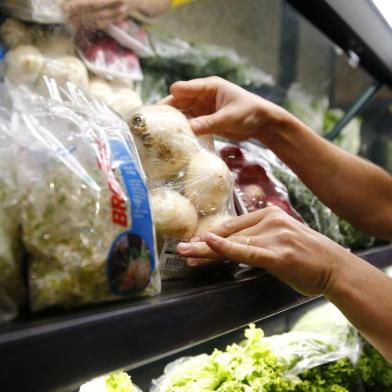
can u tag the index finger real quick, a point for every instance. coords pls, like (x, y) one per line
(239, 223)
(241, 253)
(181, 104)
(194, 87)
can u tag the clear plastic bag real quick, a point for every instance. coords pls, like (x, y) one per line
(41, 11)
(86, 217)
(321, 336)
(131, 35)
(104, 57)
(12, 289)
(36, 52)
(191, 186)
(255, 184)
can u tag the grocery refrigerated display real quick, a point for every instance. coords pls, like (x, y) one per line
(269, 48)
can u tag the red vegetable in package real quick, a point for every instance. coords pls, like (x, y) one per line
(255, 184)
(104, 57)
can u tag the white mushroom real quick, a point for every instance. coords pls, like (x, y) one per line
(174, 215)
(100, 89)
(124, 100)
(23, 64)
(14, 33)
(56, 45)
(167, 138)
(64, 69)
(207, 183)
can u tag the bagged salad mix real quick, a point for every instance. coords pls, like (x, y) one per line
(191, 186)
(12, 290)
(85, 208)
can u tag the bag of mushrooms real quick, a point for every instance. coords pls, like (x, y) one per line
(191, 186)
(37, 53)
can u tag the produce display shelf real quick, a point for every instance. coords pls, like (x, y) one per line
(54, 350)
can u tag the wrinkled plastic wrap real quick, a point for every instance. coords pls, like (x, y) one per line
(131, 35)
(41, 11)
(191, 186)
(86, 218)
(321, 336)
(255, 183)
(176, 59)
(12, 289)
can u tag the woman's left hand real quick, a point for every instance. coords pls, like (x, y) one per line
(272, 240)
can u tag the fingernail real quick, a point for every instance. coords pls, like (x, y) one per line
(195, 239)
(184, 246)
(191, 262)
(196, 125)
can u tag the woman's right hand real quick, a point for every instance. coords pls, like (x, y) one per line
(220, 107)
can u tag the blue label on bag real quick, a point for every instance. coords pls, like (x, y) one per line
(132, 257)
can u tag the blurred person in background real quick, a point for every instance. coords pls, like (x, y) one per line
(98, 14)
(311, 263)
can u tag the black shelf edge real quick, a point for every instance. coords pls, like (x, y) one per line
(49, 352)
(355, 26)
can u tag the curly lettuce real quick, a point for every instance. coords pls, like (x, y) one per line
(374, 370)
(114, 382)
(248, 366)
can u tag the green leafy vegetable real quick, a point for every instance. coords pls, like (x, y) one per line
(374, 370)
(337, 376)
(318, 216)
(119, 382)
(249, 366)
(354, 238)
(176, 59)
(350, 137)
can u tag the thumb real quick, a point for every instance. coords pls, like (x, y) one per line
(210, 124)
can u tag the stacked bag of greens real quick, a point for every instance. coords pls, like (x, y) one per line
(315, 112)
(11, 285)
(81, 202)
(176, 59)
(322, 353)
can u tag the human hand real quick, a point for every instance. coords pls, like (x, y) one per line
(272, 240)
(98, 14)
(220, 107)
